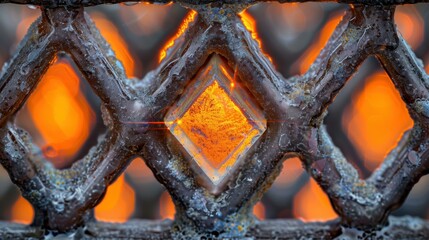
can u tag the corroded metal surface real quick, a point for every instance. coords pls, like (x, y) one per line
(294, 109)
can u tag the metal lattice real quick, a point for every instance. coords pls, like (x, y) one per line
(294, 109)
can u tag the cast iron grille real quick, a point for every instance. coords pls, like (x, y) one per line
(285, 114)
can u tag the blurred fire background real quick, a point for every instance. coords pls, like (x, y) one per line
(63, 116)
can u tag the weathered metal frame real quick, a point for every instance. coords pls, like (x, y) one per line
(294, 108)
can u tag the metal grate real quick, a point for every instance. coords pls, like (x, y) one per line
(294, 109)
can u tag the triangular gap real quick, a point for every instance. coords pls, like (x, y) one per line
(135, 194)
(294, 194)
(13, 207)
(293, 34)
(417, 202)
(367, 118)
(62, 114)
(137, 33)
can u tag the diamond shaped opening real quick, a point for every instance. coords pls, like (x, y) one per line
(216, 121)
(62, 115)
(372, 115)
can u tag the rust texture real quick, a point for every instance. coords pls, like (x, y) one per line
(294, 109)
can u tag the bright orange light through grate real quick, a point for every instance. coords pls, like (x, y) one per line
(118, 203)
(250, 24)
(215, 120)
(118, 45)
(61, 113)
(376, 119)
(313, 51)
(312, 204)
(22, 211)
(185, 24)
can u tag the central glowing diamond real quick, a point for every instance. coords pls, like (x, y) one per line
(216, 121)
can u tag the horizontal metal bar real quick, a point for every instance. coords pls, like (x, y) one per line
(87, 3)
(397, 228)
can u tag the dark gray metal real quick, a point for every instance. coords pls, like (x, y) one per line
(294, 109)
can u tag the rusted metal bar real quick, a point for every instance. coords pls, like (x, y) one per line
(88, 3)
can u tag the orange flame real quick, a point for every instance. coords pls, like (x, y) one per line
(61, 113)
(118, 203)
(313, 51)
(22, 211)
(312, 204)
(250, 24)
(377, 119)
(185, 24)
(118, 45)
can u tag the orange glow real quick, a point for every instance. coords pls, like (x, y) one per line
(118, 203)
(118, 45)
(185, 24)
(250, 25)
(410, 24)
(312, 204)
(376, 119)
(210, 124)
(313, 51)
(259, 210)
(166, 206)
(22, 211)
(61, 113)
(292, 169)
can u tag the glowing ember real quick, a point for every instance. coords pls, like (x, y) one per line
(60, 113)
(250, 25)
(118, 203)
(312, 204)
(22, 211)
(188, 20)
(376, 119)
(216, 123)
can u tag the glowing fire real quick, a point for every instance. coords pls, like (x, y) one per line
(118, 204)
(118, 45)
(22, 211)
(167, 209)
(250, 25)
(312, 204)
(185, 24)
(61, 113)
(376, 119)
(313, 51)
